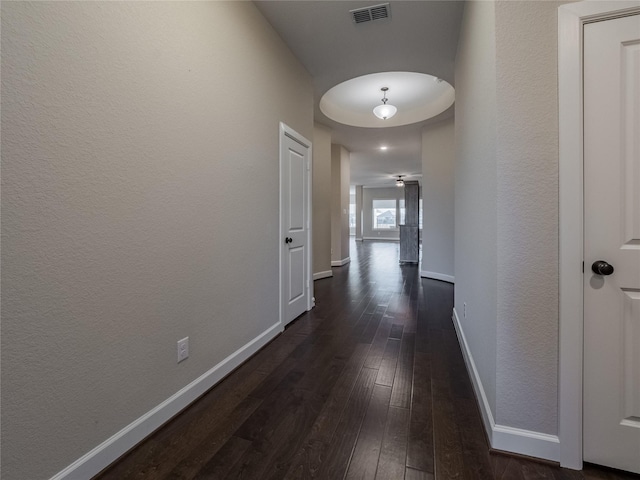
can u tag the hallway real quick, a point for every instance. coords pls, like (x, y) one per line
(369, 384)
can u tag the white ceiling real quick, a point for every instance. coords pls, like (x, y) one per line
(417, 96)
(420, 36)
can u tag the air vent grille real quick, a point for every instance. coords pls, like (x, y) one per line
(368, 14)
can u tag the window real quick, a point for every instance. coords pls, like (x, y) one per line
(352, 215)
(352, 219)
(384, 214)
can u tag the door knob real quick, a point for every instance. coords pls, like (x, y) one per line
(600, 267)
(288, 240)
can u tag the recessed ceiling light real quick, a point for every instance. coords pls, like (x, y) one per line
(383, 147)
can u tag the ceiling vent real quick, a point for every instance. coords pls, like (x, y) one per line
(368, 14)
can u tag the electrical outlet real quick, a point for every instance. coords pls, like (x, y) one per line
(464, 312)
(183, 349)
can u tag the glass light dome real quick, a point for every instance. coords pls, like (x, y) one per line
(385, 111)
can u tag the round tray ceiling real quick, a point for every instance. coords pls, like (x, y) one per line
(418, 97)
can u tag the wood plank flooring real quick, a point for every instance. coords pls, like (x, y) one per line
(370, 384)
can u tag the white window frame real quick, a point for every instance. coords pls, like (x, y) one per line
(396, 227)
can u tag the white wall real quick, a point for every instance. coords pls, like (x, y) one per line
(321, 201)
(475, 189)
(359, 190)
(506, 214)
(438, 201)
(340, 175)
(527, 209)
(140, 171)
(345, 179)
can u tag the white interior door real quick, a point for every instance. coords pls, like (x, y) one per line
(295, 167)
(612, 234)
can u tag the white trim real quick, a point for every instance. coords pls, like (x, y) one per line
(340, 263)
(438, 276)
(111, 449)
(501, 437)
(384, 239)
(287, 131)
(476, 381)
(311, 299)
(526, 442)
(325, 274)
(571, 19)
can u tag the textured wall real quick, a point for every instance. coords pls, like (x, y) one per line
(506, 256)
(438, 198)
(358, 203)
(475, 188)
(527, 205)
(321, 199)
(139, 181)
(345, 179)
(340, 176)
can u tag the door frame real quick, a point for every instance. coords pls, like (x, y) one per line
(286, 131)
(571, 20)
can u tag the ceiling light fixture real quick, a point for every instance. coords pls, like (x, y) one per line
(383, 147)
(399, 181)
(384, 111)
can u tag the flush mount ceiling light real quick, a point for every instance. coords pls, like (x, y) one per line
(399, 181)
(384, 111)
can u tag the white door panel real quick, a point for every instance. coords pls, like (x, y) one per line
(297, 172)
(297, 278)
(612, 234)
(295, 221)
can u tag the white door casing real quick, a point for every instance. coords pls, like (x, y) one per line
(571, 20)
(612, 233)
(295, 225)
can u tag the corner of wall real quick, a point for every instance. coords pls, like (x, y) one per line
(438, 160)
(321, 199)
(340, 171)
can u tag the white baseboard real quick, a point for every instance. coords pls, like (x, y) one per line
(340, 263)
(501, 437)
(111, 449)
(325, 274)
(438, 276)
(526, 442)
(481, 397)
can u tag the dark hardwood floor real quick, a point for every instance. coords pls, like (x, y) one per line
(370, 384)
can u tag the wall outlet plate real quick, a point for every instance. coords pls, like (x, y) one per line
(183, 349)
